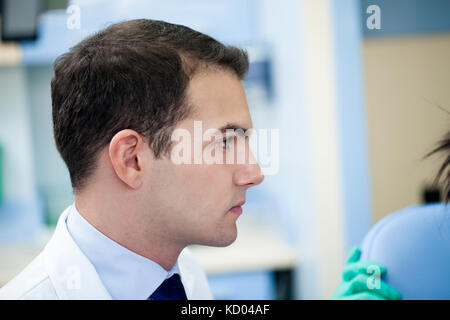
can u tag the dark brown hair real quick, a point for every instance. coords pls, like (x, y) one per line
(132, 75)
(444, 146)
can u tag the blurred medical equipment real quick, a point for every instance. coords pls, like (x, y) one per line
(414, 245)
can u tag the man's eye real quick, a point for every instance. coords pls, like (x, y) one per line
(227, 141)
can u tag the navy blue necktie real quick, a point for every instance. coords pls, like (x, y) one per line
(170, 289)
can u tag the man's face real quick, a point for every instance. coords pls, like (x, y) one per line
(192, 201)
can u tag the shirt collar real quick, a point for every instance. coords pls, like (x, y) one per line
(124, 273)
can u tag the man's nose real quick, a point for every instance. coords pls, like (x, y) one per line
(250, 174)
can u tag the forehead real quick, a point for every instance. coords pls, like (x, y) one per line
(217, 98)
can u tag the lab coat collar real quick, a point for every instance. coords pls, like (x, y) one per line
(71, 273)
(187, 273)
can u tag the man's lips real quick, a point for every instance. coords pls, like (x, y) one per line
(237, 209)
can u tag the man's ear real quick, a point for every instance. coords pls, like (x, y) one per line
(126, 152)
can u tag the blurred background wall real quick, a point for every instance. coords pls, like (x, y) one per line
(407, 83)
(357, 109)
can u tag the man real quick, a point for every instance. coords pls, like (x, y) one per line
(118, 97)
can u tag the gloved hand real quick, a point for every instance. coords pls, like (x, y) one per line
(361, 280)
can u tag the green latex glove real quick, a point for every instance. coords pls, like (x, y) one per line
(361, 280)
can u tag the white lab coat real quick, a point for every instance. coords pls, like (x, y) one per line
(62, 271)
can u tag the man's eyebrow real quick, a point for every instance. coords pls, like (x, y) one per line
(232, 126)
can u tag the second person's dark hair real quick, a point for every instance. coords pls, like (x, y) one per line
(444, 170)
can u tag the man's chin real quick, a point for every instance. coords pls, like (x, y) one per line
(226, 243)
(223, 240)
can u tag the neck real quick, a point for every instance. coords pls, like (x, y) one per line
(118, 220)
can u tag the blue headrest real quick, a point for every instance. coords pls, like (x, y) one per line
(414, 245)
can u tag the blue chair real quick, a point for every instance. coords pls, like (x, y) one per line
(414, 245)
